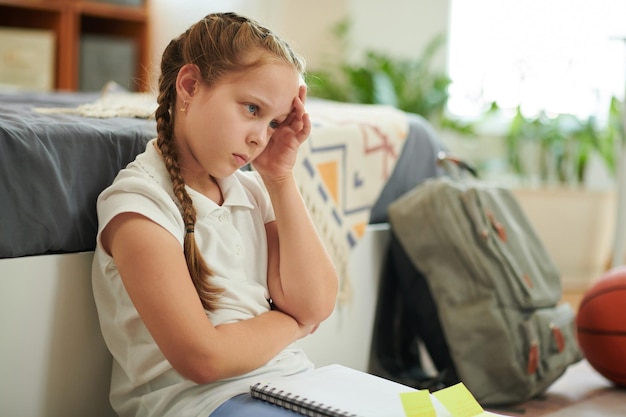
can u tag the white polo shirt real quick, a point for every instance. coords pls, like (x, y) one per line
(232, 240)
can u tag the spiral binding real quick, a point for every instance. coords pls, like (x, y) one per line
(295, 403)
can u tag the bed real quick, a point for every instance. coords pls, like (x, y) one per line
(59, 150)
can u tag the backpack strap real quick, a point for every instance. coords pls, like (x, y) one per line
(407, 317)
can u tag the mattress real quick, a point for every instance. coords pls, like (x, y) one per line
(52, 168)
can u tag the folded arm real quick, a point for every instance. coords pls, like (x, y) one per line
(152, 266)
(302, 279)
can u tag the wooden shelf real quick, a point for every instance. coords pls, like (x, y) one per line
(69, 20)
(112, 11)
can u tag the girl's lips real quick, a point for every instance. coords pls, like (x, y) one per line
(241, 159)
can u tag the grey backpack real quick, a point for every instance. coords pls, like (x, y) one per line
(495, 287)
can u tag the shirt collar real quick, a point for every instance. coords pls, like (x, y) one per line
(232, 189)
(234, 193)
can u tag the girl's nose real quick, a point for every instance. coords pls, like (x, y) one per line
(258, 136)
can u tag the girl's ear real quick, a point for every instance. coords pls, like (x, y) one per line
(187, 82)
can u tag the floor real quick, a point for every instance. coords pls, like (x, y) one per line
(580, 392)
(573, 298)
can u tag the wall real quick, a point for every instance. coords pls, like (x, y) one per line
(169, 18)
(401, 27)
(301, 23)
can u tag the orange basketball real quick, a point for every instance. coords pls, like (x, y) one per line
(601, 325)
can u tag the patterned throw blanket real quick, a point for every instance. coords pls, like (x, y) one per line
(342, 167)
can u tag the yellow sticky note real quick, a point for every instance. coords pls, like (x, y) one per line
(417, 404)
(459, 401)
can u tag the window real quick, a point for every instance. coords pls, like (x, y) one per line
(561, 56)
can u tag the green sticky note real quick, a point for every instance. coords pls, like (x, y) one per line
(417, 404)
(459, 401)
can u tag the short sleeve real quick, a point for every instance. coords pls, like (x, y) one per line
(136, 195)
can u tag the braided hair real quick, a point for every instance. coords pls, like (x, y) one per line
(218, 45)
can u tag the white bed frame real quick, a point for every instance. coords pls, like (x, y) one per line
(53, 361)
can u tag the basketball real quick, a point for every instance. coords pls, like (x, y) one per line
(601, 325)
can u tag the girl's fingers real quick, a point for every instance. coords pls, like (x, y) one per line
(298, 107)
(297, 122)
(304, 130)
(294, 119)
(304, 121)
(302, 93)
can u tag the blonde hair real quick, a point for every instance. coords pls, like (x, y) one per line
(219, 45)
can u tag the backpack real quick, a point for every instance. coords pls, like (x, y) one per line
(467, 278)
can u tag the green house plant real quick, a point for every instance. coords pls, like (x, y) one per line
(410, 84)
(563, 145)
(575, 223)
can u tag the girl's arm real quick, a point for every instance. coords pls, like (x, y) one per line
(153, 269)
(302, 278)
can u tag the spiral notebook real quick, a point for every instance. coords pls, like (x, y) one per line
(334, 390)
(339, 391)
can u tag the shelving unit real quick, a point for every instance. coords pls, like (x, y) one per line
(69, 20)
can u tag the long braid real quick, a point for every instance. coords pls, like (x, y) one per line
(217, 45)
(165, 116)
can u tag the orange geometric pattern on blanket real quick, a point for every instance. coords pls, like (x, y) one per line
(359, 229)
(342, 168)
(329, 171)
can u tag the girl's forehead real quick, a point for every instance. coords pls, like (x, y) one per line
(271, 75)
(265, 67)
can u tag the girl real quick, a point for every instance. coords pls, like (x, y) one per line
(204, 275)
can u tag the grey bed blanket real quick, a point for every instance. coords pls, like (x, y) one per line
(52, 169)
(54, 166)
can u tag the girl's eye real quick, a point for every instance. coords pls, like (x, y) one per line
(252, 108)
(274, 124)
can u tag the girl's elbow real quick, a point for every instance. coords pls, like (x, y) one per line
(321, 309)
(197, 374)
(200, 378)
(327, 305)
(198, 370)
(327, 308)
(332, 293)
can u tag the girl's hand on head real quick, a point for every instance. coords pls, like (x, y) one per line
(279, 157)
